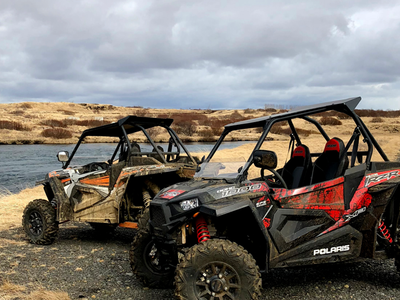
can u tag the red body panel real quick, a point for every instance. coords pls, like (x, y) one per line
(327, 196)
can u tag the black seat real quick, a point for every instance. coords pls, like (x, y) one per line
(135, 149)
(331, 163)
(134, 154)
(297, 171)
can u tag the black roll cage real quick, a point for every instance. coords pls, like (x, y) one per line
(345, 106)
(134, 124)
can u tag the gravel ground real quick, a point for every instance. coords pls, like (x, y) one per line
(90, 266)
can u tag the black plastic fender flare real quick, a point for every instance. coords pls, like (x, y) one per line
(219, 209)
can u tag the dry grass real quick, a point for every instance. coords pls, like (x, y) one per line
(11, 209)
(36, 117)
(377, 120)
(12, 125)
(12, 206)
(43, 294)
(10, 291)
(57, 133)
(192, 125)
(330, 121)
(10, 288)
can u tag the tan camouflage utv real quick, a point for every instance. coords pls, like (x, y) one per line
(117, 189)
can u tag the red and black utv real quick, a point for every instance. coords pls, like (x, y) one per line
(218, 231)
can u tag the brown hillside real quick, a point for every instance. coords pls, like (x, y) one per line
(58, 122)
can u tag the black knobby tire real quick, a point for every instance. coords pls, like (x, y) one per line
(217, 269)
(39, 222)
(151, 265)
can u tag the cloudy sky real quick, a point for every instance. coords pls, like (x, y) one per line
(200, 54)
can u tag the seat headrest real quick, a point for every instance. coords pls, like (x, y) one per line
(333, 145)
(299, 151)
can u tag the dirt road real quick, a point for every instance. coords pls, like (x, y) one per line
(89, 266)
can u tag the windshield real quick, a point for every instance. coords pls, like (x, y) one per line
(229, 163)
(220, 170)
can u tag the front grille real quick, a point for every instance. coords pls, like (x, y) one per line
(157, 215)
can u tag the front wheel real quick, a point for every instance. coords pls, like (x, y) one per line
(217, 269)
(152, 265)
(39, 222)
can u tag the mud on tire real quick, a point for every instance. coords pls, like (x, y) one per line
(39, 222)
(143, 220)
(217, 269)
(151, 266)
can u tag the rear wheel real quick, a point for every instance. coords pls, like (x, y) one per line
(39, 222)
(153, 266)
(217, 269)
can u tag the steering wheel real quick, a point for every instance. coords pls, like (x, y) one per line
(275, 175)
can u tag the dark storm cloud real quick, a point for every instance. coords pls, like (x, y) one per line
(199, 54)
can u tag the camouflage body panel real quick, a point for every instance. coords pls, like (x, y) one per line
(91, 198)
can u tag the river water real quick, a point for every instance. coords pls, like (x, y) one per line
(22, 165)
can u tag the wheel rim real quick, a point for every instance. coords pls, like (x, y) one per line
(218, 280)
(35, 223)
(155, 260)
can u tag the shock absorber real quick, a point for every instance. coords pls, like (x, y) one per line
(385, 231)
(202, 230)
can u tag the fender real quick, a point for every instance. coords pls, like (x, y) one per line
(226, 211)
(391, 214)
(64, 209)
(220, 208)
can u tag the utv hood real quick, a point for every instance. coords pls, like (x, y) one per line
(192, 188)
(213, 197)
(206, 190)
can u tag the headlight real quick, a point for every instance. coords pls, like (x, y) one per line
(189, 204)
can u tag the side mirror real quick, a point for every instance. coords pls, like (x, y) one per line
(63, 156)
(265, 159)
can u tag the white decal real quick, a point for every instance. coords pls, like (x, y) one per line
(226, 189)
(376, 178)
(234, 191)
(261, 203)
(354, 214)
(336, 249)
